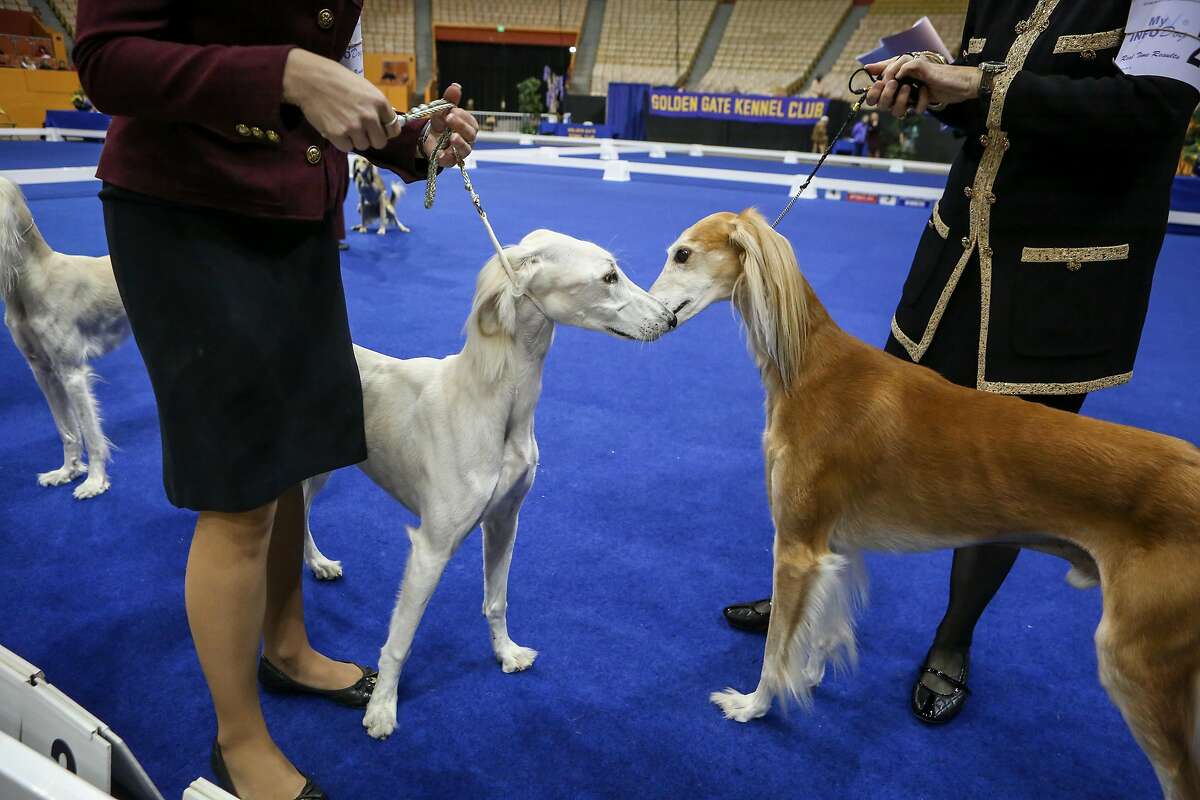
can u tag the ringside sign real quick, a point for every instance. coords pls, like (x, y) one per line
(738, 107)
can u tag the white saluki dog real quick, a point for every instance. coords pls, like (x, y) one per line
(452, 438)
(62, 311)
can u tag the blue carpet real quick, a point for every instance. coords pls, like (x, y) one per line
(647, 516)
(30, 154)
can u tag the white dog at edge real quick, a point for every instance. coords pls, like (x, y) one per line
(62, 311)
(452, 438)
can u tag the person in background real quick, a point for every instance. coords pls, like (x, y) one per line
(820, 135)
(859, 135)
(223, 173)
(1032, 277)
(874, 136)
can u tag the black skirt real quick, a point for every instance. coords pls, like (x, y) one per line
(242, 325)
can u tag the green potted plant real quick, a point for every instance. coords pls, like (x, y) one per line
(529, 101)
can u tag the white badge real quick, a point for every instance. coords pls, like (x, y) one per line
(1162, 38)
(353, 60)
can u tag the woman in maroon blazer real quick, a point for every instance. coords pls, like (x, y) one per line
(222, 174)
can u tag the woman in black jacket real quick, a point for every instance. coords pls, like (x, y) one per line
(1033, 274)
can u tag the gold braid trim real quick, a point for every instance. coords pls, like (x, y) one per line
(1085, 42)
(975, 46)
(1074, 255)
(903, 339)
(936, 222)
(1079, 387)
(1028, 32)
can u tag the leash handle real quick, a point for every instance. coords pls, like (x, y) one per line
(423, 111)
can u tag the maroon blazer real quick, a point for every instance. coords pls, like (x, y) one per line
(196, 92)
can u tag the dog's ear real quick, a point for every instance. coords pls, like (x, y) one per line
(495, 314)
(526, 260)
(769, 293)
(494, 311)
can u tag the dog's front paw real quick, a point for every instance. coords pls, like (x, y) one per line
(63, 475)
(96, 484)
(739, 707)
(325, 569)
(380, 719)
(515, 658)
(382, 231)
(360, 229)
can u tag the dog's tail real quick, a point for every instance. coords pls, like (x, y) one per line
(14, 222)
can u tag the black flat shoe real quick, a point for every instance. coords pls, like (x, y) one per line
(753, 617)
(310, 791)
(356, 696)
(933, 707)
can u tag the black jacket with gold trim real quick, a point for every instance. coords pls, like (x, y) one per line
(1059, 199)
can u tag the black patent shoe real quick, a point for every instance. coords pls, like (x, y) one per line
(310, 791)
(753, 617)
(356, 696)
(933, 707)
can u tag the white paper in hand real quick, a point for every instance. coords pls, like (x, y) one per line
(353, 60)
(1162, 38)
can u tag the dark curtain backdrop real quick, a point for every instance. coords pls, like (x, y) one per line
(491, 72)
(628, 108)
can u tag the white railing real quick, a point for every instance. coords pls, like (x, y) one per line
(506, 121)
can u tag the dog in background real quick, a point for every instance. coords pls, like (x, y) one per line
(867, 451)
(62, 312)
(452, 438)
(376, 200)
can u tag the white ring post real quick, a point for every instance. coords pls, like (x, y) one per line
(616, 171)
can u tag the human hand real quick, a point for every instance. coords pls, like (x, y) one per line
(344, 107)
(941, 84)
(463, 129)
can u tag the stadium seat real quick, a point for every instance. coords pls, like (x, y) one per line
(637, 43)
(769, 46)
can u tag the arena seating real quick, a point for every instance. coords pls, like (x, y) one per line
(891, 16)
(637, 43)
(513, 13)
(388, 26)
(16, 5)
(769, 46)
(65, 10)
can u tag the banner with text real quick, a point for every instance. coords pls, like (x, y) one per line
(738, 107)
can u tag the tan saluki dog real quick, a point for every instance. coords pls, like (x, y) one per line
(867, 451)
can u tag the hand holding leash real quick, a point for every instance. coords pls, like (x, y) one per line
(460, 123)
(917, 81)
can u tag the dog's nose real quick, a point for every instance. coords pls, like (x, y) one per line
(673, 321)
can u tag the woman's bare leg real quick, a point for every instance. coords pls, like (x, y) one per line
(285, 640)
(226, 591)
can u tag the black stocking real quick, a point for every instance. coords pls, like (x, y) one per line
(974, 579)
